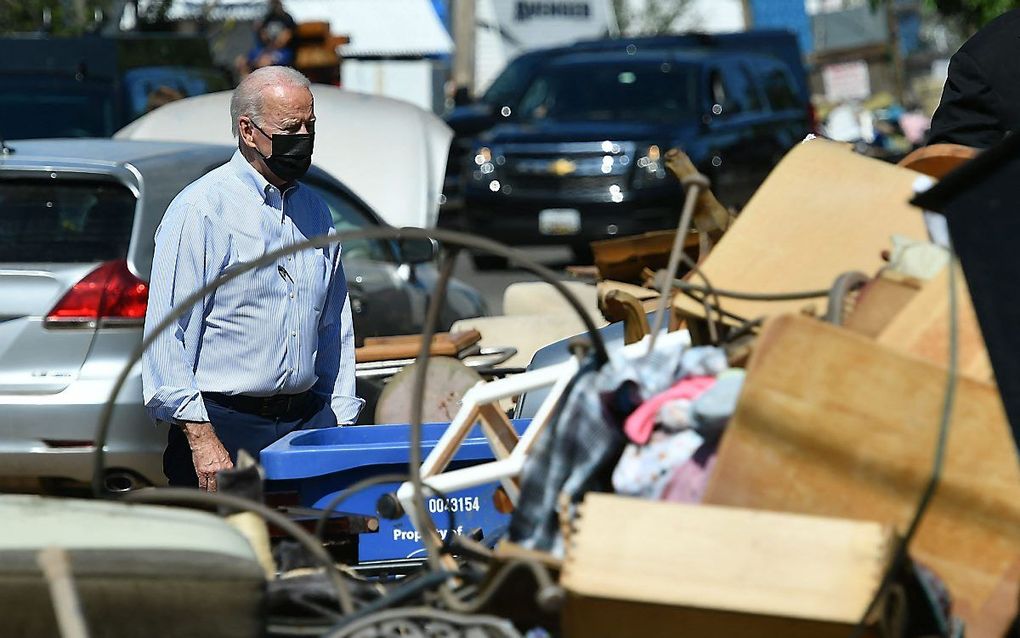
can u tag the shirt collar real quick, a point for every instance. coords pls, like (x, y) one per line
(247, 174)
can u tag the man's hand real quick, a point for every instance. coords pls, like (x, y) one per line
(207, 453)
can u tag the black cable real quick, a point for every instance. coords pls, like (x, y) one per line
(501, 626)
(421, 516)
(407, 589)
(372, 481)
(549, 594)
(901, 553)
(754, 296)
(700, 299)
(697, 270)
(164, 495)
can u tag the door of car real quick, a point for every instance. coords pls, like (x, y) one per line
(734, 120)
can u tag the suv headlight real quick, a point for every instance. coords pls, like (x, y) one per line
(484, 167)
(650, 168)
(484, 162)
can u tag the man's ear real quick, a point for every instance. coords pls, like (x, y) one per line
(246, 132)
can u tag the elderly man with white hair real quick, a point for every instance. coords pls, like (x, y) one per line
(272, 350)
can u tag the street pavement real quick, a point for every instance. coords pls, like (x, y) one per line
(492, 283)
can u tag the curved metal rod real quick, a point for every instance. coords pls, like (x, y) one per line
(449, 260)
(466, 240)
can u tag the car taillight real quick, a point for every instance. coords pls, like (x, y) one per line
(108, 294)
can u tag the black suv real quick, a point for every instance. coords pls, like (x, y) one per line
(578, 152)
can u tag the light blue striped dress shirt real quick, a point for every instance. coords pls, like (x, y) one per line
(281, 329)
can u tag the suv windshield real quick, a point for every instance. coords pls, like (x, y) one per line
(659, 91)
(40, 106)
(65, 221)
(506, 89)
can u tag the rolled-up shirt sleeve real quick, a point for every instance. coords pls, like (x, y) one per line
(334, 360)
(180, 266)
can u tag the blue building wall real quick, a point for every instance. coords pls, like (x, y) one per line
(784, 14)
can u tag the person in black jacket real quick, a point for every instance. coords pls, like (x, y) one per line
(981, 100)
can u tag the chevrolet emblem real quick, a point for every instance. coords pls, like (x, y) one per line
(562, 167)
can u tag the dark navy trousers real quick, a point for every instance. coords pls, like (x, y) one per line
(240, 431)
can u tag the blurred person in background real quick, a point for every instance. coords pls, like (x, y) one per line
(160, 96)
(274, 41)
(272, 350)
(981, 99)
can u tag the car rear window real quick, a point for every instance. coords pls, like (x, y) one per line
(47, 107)
(65, 221)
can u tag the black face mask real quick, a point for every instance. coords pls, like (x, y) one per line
(292, 154)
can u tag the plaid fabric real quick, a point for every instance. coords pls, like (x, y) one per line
(579, 448)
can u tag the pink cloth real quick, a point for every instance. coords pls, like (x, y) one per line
(914, 126)
(688, 483)
(639, 425)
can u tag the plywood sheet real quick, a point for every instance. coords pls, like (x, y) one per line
(835, 424)
(762, 566)
(823, 211)
(921, 328)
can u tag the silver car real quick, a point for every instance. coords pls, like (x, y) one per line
(77, 219)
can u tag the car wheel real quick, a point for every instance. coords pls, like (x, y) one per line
(486, 261)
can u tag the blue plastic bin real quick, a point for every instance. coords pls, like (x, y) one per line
(322, 463)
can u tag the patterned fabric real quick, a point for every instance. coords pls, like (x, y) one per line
(644, 470)
(281, 329)
(676, 402)
(578, 450)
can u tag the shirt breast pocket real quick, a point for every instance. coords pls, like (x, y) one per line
(321, 274)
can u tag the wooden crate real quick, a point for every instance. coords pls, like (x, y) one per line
(646, 568)
(835, 424)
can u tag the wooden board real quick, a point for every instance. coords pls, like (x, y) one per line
(834, 424)
(921, 328)
(823, 211)
(716, 571)
(623, 258)
(444, 344)
(879, 302)
(938, 159)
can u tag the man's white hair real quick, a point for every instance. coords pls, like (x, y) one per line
(249, 96)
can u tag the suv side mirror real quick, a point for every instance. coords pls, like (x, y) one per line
(417, 251)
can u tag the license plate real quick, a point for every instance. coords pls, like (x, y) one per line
(559, 221)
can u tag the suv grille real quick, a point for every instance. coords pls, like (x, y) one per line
(575, 171)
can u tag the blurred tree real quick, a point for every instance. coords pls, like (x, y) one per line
(648, 17)
(154, 15)
(60, 17)
(973, 13)
(970, 15)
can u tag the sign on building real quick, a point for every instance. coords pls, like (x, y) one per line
(846, 81)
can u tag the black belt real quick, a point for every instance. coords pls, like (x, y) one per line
(275, 406)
